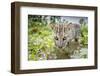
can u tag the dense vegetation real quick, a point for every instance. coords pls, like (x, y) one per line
(40, 39)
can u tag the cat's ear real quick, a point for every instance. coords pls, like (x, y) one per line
(67, 27)
(70, 23)
(53, 26)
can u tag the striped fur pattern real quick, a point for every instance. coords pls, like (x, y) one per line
(65, 33)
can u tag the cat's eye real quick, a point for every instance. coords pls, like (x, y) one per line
(56, 38)
(64, 38)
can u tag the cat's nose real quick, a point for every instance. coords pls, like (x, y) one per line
(60, 46)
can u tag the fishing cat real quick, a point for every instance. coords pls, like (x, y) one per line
(65, 36)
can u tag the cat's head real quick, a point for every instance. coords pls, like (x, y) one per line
(61, 34)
